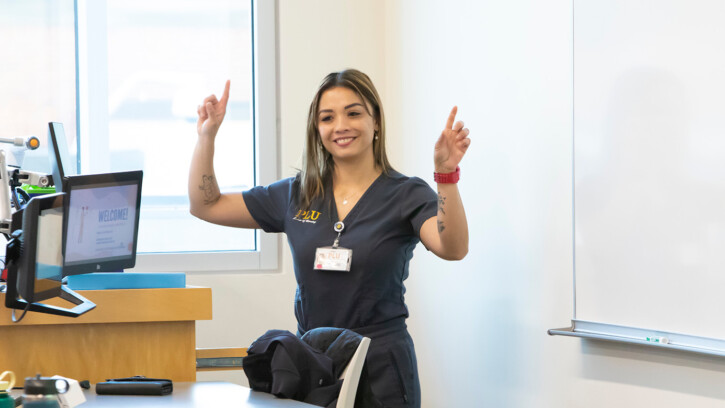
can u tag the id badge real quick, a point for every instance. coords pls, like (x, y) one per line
(333, 259)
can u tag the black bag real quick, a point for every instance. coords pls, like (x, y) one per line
(138, 385)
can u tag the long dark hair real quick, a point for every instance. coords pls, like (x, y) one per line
(317, 163)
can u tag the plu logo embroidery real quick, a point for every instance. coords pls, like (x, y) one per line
(310, 216)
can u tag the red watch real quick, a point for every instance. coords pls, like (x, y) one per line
(448, 178)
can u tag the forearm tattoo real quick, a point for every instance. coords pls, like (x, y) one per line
(208, 186)
(441, 203)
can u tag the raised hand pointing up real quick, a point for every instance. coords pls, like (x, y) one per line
(451, 145)
(211, 113)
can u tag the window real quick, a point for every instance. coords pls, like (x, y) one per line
(138, 70)
(164, 57)
(37, 73)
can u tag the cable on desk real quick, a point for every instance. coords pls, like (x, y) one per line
(21, 316)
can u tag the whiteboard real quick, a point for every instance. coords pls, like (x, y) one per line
(649, 164)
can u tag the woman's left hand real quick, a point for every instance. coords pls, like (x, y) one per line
(451, 146)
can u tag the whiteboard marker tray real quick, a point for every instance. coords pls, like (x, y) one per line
(647, 337)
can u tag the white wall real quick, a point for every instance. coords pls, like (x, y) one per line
(479, 324)
(507, 66)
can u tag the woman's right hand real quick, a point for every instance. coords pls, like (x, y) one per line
(211, 113)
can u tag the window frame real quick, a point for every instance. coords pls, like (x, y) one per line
(92, 119)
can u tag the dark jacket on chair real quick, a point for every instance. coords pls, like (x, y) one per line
(305, 369)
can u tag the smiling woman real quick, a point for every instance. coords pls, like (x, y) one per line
(351, 221)
(347, 131)
(345, 105)
(344, 118)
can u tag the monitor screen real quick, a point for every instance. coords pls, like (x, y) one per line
(60, 160)
(42, 257)
(101, 222)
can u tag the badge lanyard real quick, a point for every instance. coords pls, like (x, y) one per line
(334, 258)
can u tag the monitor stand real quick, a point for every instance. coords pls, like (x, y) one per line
(13, 300)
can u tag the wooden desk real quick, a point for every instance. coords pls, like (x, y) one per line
(191, 395)
(131, 332)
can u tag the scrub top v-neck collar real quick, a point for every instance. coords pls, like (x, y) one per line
(355, 208)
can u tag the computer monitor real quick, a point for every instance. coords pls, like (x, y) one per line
(61, 165)
(101, 215)
(101, 222)
(34, 259)
(42, 248)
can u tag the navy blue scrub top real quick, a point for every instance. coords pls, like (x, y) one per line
(382, 230)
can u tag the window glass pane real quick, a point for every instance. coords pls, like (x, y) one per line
(164, 58)
(37, 75)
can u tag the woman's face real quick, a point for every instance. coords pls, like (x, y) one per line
(346, 128)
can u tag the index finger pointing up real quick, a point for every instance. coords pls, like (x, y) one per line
(452, 118)
(225, 95)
